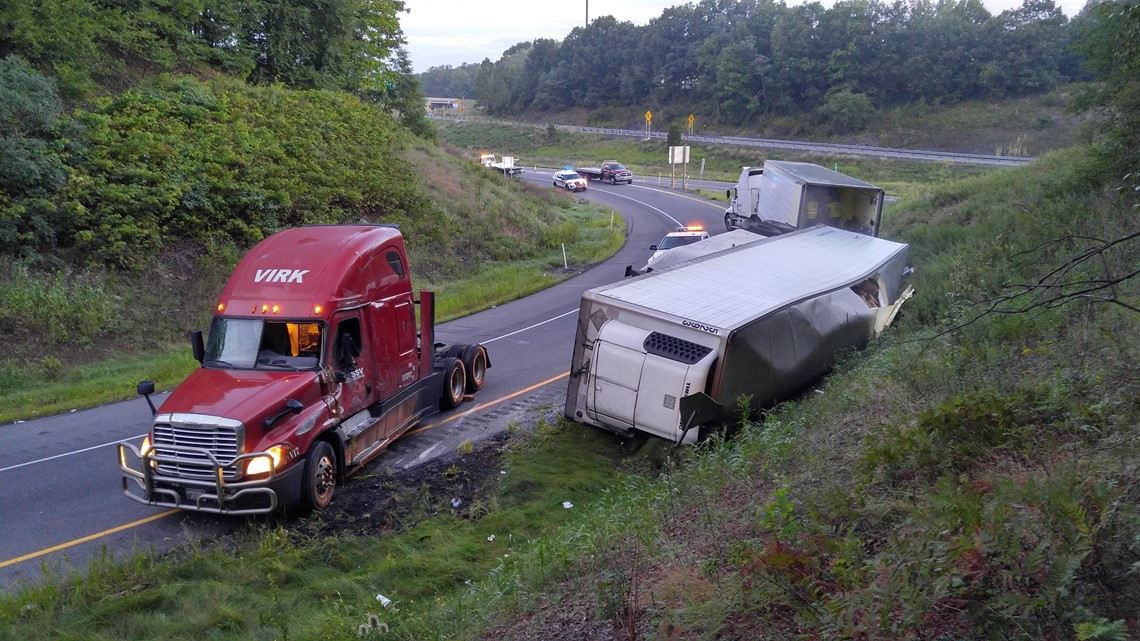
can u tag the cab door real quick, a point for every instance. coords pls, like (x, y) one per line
(353, 363)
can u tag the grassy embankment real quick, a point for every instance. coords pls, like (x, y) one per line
(100, 332)
(1022, 126)
(91, 334)
(536, 146)
(968, 476)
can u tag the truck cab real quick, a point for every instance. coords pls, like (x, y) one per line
(314, 365)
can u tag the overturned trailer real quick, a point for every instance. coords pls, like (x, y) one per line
(676, 349)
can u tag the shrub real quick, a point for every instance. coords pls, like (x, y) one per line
(191, 160)
(845, 111)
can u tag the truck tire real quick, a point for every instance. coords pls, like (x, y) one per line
(454, 383)
(475, 363)
(319, 481)
(613, 181)
(728, 221)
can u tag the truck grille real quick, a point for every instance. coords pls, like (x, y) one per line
(182, 440)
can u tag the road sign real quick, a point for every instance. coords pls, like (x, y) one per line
(648, 116)
(691, 119)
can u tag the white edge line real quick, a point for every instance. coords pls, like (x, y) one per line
(86, 449)
(131, 438)
(519, 331)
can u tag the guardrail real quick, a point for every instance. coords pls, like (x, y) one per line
(772, 143)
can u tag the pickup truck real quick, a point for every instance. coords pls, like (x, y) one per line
(611, 170)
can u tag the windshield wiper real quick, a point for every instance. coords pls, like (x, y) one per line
(278, 363)
(213, 362)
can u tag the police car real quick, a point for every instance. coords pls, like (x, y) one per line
(569, 180)
(682, 236)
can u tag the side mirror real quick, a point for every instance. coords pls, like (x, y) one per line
(198, 345)
(728, 194)
(653, 247)
(145, 389)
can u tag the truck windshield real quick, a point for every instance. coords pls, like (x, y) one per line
(253, 343)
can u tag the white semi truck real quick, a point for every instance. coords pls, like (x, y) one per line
(676, 349)
(783, 196)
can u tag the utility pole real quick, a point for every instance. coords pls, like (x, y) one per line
(587, 13)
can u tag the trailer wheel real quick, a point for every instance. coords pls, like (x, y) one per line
(476, 363)
(454, 383)
(319, 482)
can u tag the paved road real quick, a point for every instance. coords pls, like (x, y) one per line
(62, 506)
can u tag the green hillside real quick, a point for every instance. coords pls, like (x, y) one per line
(971, 475)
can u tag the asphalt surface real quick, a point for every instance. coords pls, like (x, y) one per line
(62, 505)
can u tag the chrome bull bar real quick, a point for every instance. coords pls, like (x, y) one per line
(216, 496)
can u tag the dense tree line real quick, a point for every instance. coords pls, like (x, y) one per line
(129, 124)
(88, 45)
(739, 59)
(450, 82)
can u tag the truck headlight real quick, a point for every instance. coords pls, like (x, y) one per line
(264, 464)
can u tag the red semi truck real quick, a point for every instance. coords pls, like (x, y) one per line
(314, 365)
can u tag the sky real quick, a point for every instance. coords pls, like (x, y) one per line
(452, 32)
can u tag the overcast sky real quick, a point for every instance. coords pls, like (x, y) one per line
(452, 32)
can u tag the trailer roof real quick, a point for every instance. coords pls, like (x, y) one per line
(731, 287)
(815, 174)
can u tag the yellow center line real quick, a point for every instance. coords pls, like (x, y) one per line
(91, 537)
(487, 404)
(162, 515)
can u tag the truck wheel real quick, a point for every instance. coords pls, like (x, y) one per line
(613, 181)
(476, 364)
(728, 221)
(454, 383)
(319, 482)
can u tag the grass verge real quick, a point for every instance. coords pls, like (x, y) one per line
(48, 386)
(277, 583)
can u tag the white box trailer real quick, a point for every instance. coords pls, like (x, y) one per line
(783, 196)
(677, 348)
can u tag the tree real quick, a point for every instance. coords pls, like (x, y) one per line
(846, 111)
(402, 97)
(31, 170)
(323, 44)
(1110, 37)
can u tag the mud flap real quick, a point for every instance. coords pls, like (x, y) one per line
(697, 410)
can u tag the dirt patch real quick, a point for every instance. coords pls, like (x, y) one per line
(374, 502)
